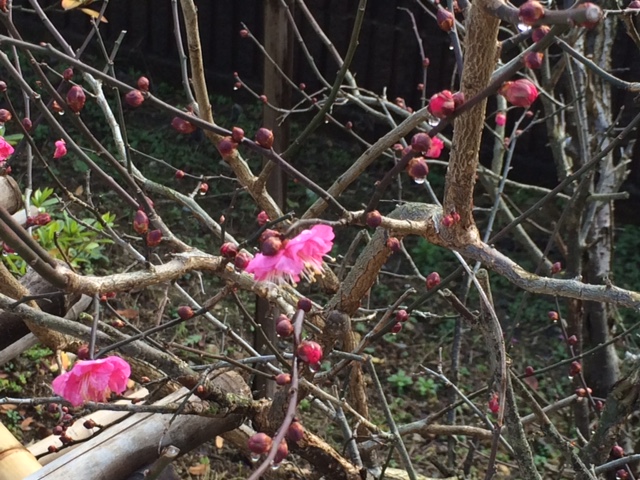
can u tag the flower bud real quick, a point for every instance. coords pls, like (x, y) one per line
(134, 98)
(89, 424)
(67, 74)
(421, 142)
(185, 312)
(83, 352)
(521, 92)
(593, 15)
(393, 244)
(264, 138)
(27, 124)
(262, 218)
(445, 19)
(617, 451)
(182, 126)
(55, 106)
(242, 260)
(433, 280)
(52, 449)
(295, 432)
(402, 316)
(583, 392)
(76, 98)
(458, 99)
(447, 221)
(284, 328)
(5, 115)
(538, 33)
(237, 134)
(441, 104)
(244, 33)
(260, 443)
(374, 219)
(179, 174)
(556, 268)
(553, 315)
(529, 371)
(501, 119)
(154, 237)
(271, 246)
(418, 169)
(305, 305)
(309, 352)
(3, 86)
(494, 403)
(575, 368)
(572, 340)
(622, 474)
(141, 222)
(533, 60)
(226, 146)
(203, 188)
(281, 453)
(530, 12)
(283, 379)
(143, 84)
(229, 250)
(396, 328)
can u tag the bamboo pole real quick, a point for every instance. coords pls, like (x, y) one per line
(16, 462)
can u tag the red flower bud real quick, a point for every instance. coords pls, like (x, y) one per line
(583, 392)
(622, 474)
(533, 60)
(5, 115)
(528, 372)
(575, 368)
(295, 432)
(283, 379)
(396, 328)
(501, 119)
(264, 99)
(154, 237)
(445, 19)
(305, 305)
(27, 124)
(447, 221)
(309, 352)
(143, 84)
(421, 142)
(458, 99)
(183, 126)
(271, 246)
(226, 146)
(76, 98)
(244, 33)
(203, 188)
(425, 62)
(52, 449)
(55, 106)
(456, 217)
(538, 33)
(553, 315)
(402, 316)
(530, 12)
(89, 424)
(572, 340)
(635, 4)
(281, 453)
(441, 104)
(237, 134)
(556, 268)
(141, 222)
(433, 280)
(134, 98)
(185, 312)
(348, 125)
(284, 328)
(260, 443)
(374, 219)
(418, 169)
(264, 138)
(83, 352)
(521, 92)
(242, 260)
(179, 174)
(229, 250)
(494, 403)
(393, 244)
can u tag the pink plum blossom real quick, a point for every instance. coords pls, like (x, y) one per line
(436, 148)
(92, 380)
(5, 149)
(61, 149)
(300, 255)
(501, 119)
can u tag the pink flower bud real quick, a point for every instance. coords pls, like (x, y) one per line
(445, 19)
(421, 142)
(143, 84)
(402, 316)
(529, 372)
(83, 352)
(617, 451)
(27, 124)
(393, 244)
(237, 134)
(530, 12)
(458, 99)
(433, 280)
(141, 222)
(418, 169)
(5, 115)
(260, 443)
(553, 315)
(179, 174)
(295, 432)
(226, 146)
(262, 218)
(593, 14)
(622, 474)
(281, 453)
(309, 352)
(494, 403)
(271, 246)
(447, 221)
(572, 340)
(441, 104)
(533, 60)
(396, 328)
(264, 138)
(242, 260)
(556, 268)
(61, 149)
(134, 98)
(501, 119)
(521, 92)
(203, 188)
(575, 368)
(67, 74)
(76, 98)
